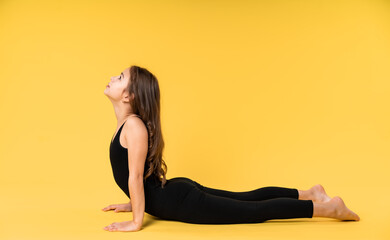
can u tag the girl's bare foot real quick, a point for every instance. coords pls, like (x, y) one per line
(319, 194)
(316, 194)
(334, 208)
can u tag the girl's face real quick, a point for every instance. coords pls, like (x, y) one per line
(117, 86)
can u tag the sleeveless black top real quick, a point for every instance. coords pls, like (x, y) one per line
(120, 164)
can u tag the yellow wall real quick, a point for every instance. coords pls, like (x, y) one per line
(254, 94)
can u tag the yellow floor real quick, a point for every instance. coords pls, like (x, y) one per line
(49, 212)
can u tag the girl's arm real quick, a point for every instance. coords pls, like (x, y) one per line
(136, 137)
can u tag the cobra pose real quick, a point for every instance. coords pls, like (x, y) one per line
(140, 172)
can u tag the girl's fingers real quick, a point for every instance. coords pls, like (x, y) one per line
(109, 207)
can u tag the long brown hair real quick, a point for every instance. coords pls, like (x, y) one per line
(144, 85)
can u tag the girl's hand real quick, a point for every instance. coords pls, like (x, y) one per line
(127, 226)
(123, 207)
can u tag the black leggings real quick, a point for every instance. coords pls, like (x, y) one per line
(185, 200)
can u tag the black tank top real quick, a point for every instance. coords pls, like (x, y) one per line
(120, 164)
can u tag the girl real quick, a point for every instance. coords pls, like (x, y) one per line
(140, 171)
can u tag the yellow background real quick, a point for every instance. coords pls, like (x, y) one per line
(253, 94)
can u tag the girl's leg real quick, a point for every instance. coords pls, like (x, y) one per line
(204, 208)
(258, 194)
(316, 193)
(201, 207)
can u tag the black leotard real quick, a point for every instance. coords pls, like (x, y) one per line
(185, 200)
